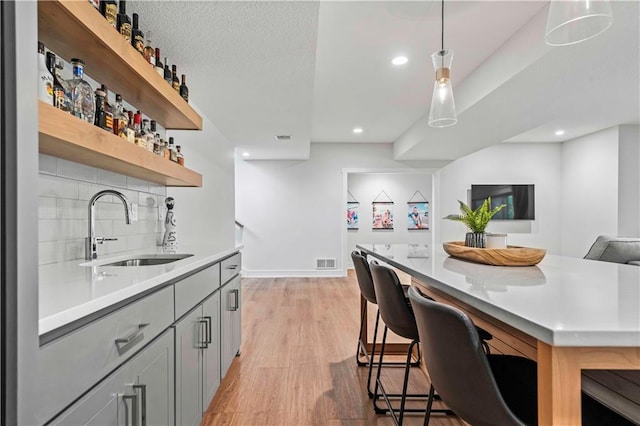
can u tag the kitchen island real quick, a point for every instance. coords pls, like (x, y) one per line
(580, 314)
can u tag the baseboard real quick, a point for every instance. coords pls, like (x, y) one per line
(334, 273)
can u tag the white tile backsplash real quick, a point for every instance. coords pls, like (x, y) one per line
(65, 188)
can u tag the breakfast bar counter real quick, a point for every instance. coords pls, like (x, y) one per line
(579, 314)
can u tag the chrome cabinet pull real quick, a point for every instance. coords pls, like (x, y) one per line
(236, 299)
(134, 409)
(232, 267)
(143, 392)
(208, 319)
(125, 343)
(202, 343)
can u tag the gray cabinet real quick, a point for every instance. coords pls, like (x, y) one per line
(230, 323)
(139, 392)
(197, 360)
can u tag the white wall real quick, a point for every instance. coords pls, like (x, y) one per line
(207, 213)
(365, 187)
(589, 190)
(538, 164)
(629, 181)
(294, 211)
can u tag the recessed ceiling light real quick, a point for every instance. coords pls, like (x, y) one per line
(245, 154)
(357, 130)
(400, 60)
(559, 132)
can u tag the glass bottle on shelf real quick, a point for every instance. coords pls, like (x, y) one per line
(168, 77)
(137, 37)
(180, 157)
(137, 128)
(99, 119)
(184, 90)
(109, 10)
(95, 3)
(148, 134)
(83, 105)
(149, 52)
(61, 98)
(120, 118)
(123, 21)
(166, 151)
(158, 64)
(130, 130)
(174, 78)
(155, 137)
(45, 78)
(108, 109)
(173, 154)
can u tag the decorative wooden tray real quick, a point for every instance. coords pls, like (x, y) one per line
(510, 256)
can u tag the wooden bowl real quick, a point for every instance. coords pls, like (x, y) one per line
(510, 256)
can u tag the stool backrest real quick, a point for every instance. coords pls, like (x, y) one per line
(457, 365)
(363, 275)
(392, 303)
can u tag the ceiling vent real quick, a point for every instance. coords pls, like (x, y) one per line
(326, 263)
(283, 138)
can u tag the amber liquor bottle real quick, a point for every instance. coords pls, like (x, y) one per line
(109, 10)
(123, 22)
(149, 52)
(184, 90)
(137, 37)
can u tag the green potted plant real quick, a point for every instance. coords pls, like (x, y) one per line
(476, 220)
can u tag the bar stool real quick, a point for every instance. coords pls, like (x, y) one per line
(365, 282)
(397, 316)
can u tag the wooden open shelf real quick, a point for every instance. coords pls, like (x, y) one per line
(75, 29)
(65, 136)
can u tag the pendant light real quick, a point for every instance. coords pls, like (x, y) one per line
(443, 108)
(573, 21)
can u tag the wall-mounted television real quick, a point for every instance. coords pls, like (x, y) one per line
(520, 200)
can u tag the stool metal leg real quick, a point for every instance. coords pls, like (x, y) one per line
(362, 348)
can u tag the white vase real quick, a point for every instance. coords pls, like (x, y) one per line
(496, 241)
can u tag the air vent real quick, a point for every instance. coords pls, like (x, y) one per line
(326, 263)
(283, 138)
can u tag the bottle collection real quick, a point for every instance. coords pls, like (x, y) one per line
(76, 96)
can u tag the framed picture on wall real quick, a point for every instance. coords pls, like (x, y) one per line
(418, 215)
(382, 215)
(352, 214)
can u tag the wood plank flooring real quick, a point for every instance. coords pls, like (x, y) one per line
(297, 364)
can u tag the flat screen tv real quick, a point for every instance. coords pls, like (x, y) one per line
(520, 200)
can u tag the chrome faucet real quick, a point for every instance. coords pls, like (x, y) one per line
(91, 242)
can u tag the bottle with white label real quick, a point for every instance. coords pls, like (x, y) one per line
(45, 79)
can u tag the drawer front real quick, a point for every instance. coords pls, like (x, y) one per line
(194, 289)
(230, 267)
(70, 365)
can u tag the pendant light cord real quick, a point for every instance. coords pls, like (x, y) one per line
(442, 28)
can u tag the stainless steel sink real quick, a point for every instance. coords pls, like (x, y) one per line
(149, 260)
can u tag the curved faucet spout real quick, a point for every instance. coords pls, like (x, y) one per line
(92, 241)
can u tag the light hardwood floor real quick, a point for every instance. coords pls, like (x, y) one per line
(297, 364)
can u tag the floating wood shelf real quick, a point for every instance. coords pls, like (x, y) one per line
(65, 136)
(75, 29)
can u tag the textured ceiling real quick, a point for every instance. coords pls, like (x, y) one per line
(316, 70)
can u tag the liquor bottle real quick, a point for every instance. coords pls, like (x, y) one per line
(166, 152)
(155, 137)
(148, 135)
(137, 37)
(82, 102)
(137, 128)
(173, 154)
(95, 3)
(167, 72)
(109, 10)
(123, 22)
(45, 78)
(61, 98)
(130, 130)
(158, 64)
(149, 52)
(108, 109)
(184, 90)
(174, 78)
(99, 119)
(180, 157)
(120, 118)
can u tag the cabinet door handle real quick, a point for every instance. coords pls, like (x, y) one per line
(208, 319)
(202, 343)
(236, 300)
(232, 267)
(134, 409)
(143, 399)
(123, 344)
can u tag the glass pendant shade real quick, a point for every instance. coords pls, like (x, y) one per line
(443, 108)
(573, 21)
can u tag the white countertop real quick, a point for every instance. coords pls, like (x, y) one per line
(69, 291)
(562, 301)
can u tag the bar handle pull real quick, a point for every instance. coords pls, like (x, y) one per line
(143, 400)
(202, 340)
(209, 327)
(134, 409)
(123, 344)
(236, 300)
